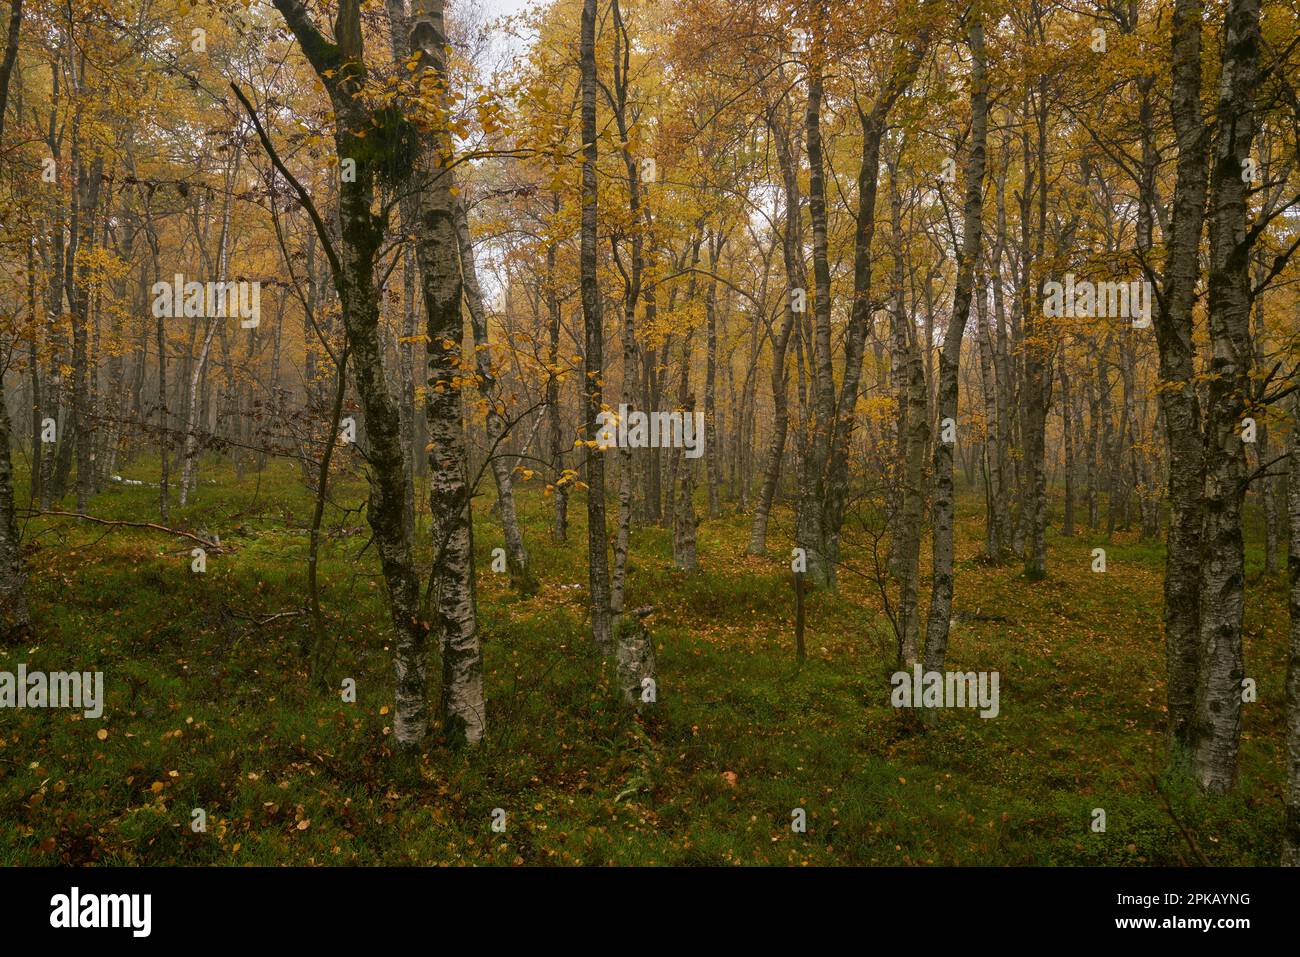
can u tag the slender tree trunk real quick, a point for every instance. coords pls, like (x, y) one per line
(651, 460)
(994, 494)
(320, 638)
(106, 457)
(634, 654)
(406, 372)
(936, 636)
(521, 575)
(10, 57)
(341, 69)
(192, 418)
(84, 211)
(905, 551)
(1122, 455)
(1291, 822)
(164, 424)
(34, 370)
(685, 557)
(1091, 465)
(627, 332)
(275, 395)
(1178, 396)
(810, 533)
(399, 28)
(913, 400)
(791, 247)
(593, 358)
(1006, 379)
(15, 619)
(1038, 365)
(682, 517)
(554, 414)
(713, 449)
(1269, 482)
(842, 419)
(53, 475)
(1067, 433)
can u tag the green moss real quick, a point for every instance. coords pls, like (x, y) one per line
(208, 705)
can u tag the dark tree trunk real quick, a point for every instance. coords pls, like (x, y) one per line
(1178, 398)
(791, 249)
(341, 69)
(593, 358)
(1291, 822)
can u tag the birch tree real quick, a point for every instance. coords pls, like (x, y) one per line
(936, 640)
(1216, 730)
(1291, 813)
(15, 618)
(438, 252)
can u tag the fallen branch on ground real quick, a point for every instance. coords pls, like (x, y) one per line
(209, 545)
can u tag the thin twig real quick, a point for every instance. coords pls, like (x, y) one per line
(1187, 835)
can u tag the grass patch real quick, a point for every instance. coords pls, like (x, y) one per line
(208, 706)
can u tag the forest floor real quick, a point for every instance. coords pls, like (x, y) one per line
(209, 706)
